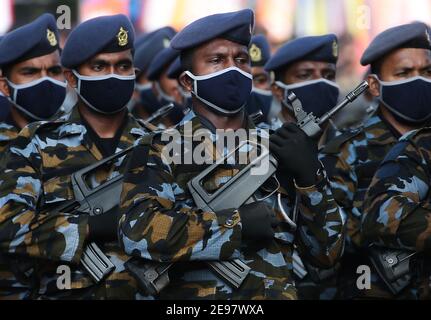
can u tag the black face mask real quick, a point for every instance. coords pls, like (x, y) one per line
(225, 91)
(149, 100)
(408, 100)
(108, 94)
(4, 107)
(316, 96)
(40, 99)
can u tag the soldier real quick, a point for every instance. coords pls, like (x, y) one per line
(147, 47)
(38, 239)
(397, 209)
(174, 72)
(164, 88)
(162, 223)
(33, 78)
(261, 97)
(4, 104)
(397, 56)
(307, 67)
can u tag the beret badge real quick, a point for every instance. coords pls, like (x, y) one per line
(123, 38)
(335, 49)
(427, 35)
(166, 42)
(51, 38)
(255, 53)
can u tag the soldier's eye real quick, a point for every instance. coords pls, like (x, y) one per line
(242, 60)
(55, 70)
(303, 76)
(330, 76)
(29, 71)
(125, 66)
(97, 67)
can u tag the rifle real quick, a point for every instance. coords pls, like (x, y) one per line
(312, 126)
(257, 117)
(234, 271)
(150, 275)
(94, 201)
(153, 276)
(159, 114)
(393, 266)
(309, 123)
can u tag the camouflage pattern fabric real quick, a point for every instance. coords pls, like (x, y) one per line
(351, 160)
(38, 172)
(161, 222)
(397, 208)
(7, 134)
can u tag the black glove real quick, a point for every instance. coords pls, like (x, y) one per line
(296, 154)
(104, 227)
(258, 223)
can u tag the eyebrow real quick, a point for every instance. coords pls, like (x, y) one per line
(124, 61)
(403, 68)
(305, 69)
(28, 69)
(99, 61)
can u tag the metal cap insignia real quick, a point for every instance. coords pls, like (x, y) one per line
(123, 37)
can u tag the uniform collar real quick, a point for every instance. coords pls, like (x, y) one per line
(193, 122)
(379, 132)
(75, 126)
(199, 121)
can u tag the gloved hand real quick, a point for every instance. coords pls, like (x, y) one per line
(296, 154)
(258, 223)
(103, 227)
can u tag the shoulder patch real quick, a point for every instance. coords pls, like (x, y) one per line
(35, 127)
(333, 146)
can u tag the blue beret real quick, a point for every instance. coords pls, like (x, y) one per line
(234, 26)
(160, 62)
(35, 39)
(175, 69)
(412, 35)
(151, 45)
(315, 48)
(259, 50)
(164, 32)
(102, 34)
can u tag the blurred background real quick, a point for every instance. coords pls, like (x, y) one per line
(355, 22)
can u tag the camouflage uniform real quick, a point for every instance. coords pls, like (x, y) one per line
(160, 222)
(351, 161)
(39, 167)
(310, 287)
(8, 132)
(397, 206)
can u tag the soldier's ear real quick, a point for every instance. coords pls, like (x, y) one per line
(71, 78)
(277, 92)
(186, 82)
(4, 87)
(374, 85)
